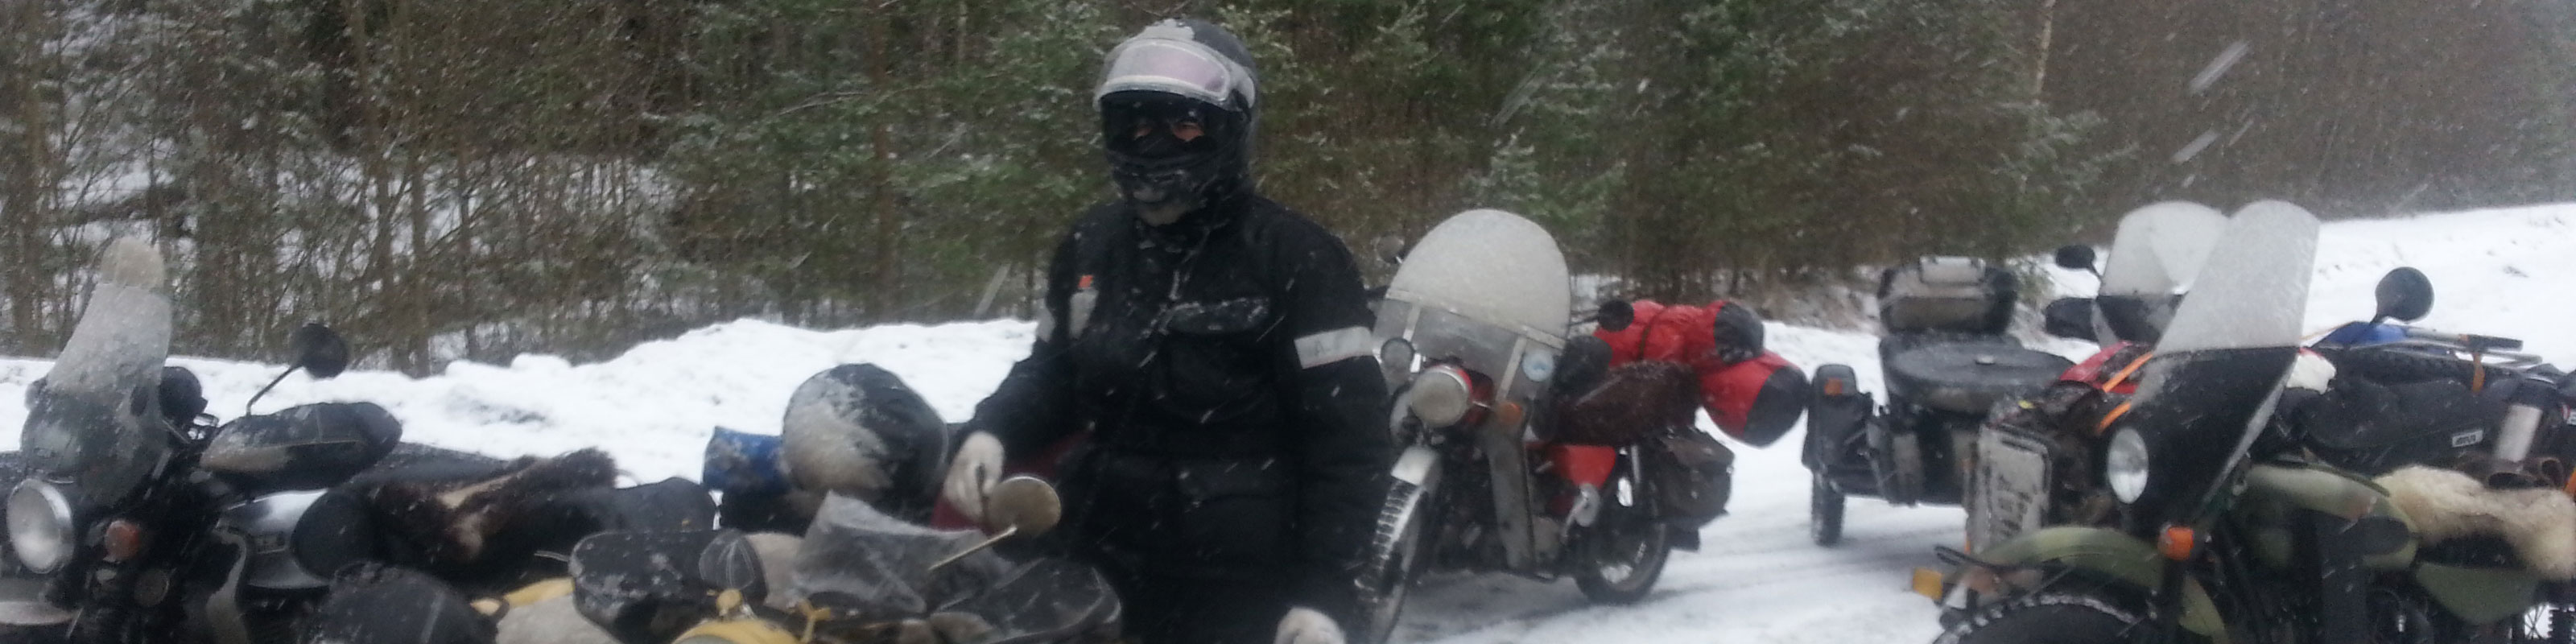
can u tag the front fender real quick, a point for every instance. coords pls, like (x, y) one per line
(2109, 554)
(1415, 464)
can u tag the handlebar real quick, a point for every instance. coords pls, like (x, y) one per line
(2466, 341)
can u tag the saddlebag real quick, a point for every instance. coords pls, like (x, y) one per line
(1688, 473)
(391, 605)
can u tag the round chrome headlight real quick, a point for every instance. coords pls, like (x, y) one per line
(40, 525)
(1440, 396)
(2125, 465)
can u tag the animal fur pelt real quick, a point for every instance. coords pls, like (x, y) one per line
(2445, 504)
(453, 520)
(1633, 400)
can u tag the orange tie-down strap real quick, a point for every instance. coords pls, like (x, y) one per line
(2113, 383)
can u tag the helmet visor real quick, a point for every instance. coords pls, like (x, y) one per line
(1176, 67)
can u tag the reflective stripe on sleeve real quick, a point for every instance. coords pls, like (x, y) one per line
(1327, 347)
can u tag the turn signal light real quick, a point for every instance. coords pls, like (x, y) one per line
(124, 540)
(1927, 582)
(2178, 542)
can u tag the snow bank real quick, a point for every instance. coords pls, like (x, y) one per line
(1757, 580)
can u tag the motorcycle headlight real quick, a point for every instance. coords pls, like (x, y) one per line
(1440, 396)
(2125, 465)
(40, 525)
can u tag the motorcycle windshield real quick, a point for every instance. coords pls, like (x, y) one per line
(94, 420)
(2214, 379)
(1477, 285)
(2159, 249)
(1491, 267)
(870, 567)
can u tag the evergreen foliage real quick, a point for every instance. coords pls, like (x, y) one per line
(477, 178)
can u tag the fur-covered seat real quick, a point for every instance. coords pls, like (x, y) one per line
(2444, 504)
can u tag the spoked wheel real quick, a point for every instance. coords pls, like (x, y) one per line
(1394, 554)
(1824, 511)
(2552, 622)
(1626, 551)
(2048, 619)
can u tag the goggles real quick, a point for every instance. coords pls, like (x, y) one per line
(1181, 67)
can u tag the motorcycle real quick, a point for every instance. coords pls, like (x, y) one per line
(857, 576)
(1948, 361)
(2402, 395)
(1474, 339)
(142, 520)
(2230, 531)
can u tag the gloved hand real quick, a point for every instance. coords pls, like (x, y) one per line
(976, 468)
(1307, 626)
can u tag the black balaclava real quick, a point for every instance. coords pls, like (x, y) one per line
(1172, 70)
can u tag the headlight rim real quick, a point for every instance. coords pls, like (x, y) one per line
(1429, 396)
(35, 492)
(2128, 445)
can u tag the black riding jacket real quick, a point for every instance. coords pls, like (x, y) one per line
(1225, 372)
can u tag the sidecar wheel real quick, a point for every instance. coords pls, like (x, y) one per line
(1824, 512)
(2048, 619)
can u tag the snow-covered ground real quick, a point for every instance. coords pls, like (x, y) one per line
(1757, 580)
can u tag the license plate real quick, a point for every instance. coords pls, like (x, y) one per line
(2009, 492)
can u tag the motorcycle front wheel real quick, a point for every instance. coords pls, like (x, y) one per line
(1395, 555)
(2047, 619)
(1626, 551)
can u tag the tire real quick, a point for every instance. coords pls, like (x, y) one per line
(2048, 619)
(1624, 555)
(1824, 512)
(1395, 556)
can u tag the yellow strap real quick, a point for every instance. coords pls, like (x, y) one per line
(544, 590)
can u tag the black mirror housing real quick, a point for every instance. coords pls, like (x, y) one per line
(319, 350)
(2076, 257)
(1615, 315)
(2404, 293)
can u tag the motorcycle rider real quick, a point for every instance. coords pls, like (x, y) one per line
(1211, 350)
(1753, 394)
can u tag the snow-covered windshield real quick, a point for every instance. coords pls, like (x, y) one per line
(2256, 291)
(2160, 247)
(95, 417)
(1493, 267)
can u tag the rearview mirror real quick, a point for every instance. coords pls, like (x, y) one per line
(2404, 293)
(2068, 317)
(1616, 315)
(319, 350)
(1390, 249)
(1022, 505)
(2076, 257)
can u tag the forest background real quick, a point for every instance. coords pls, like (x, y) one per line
(471, 179)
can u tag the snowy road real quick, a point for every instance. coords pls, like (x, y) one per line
(1757, 580)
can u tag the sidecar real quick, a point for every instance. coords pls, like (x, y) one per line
(1947, 361)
